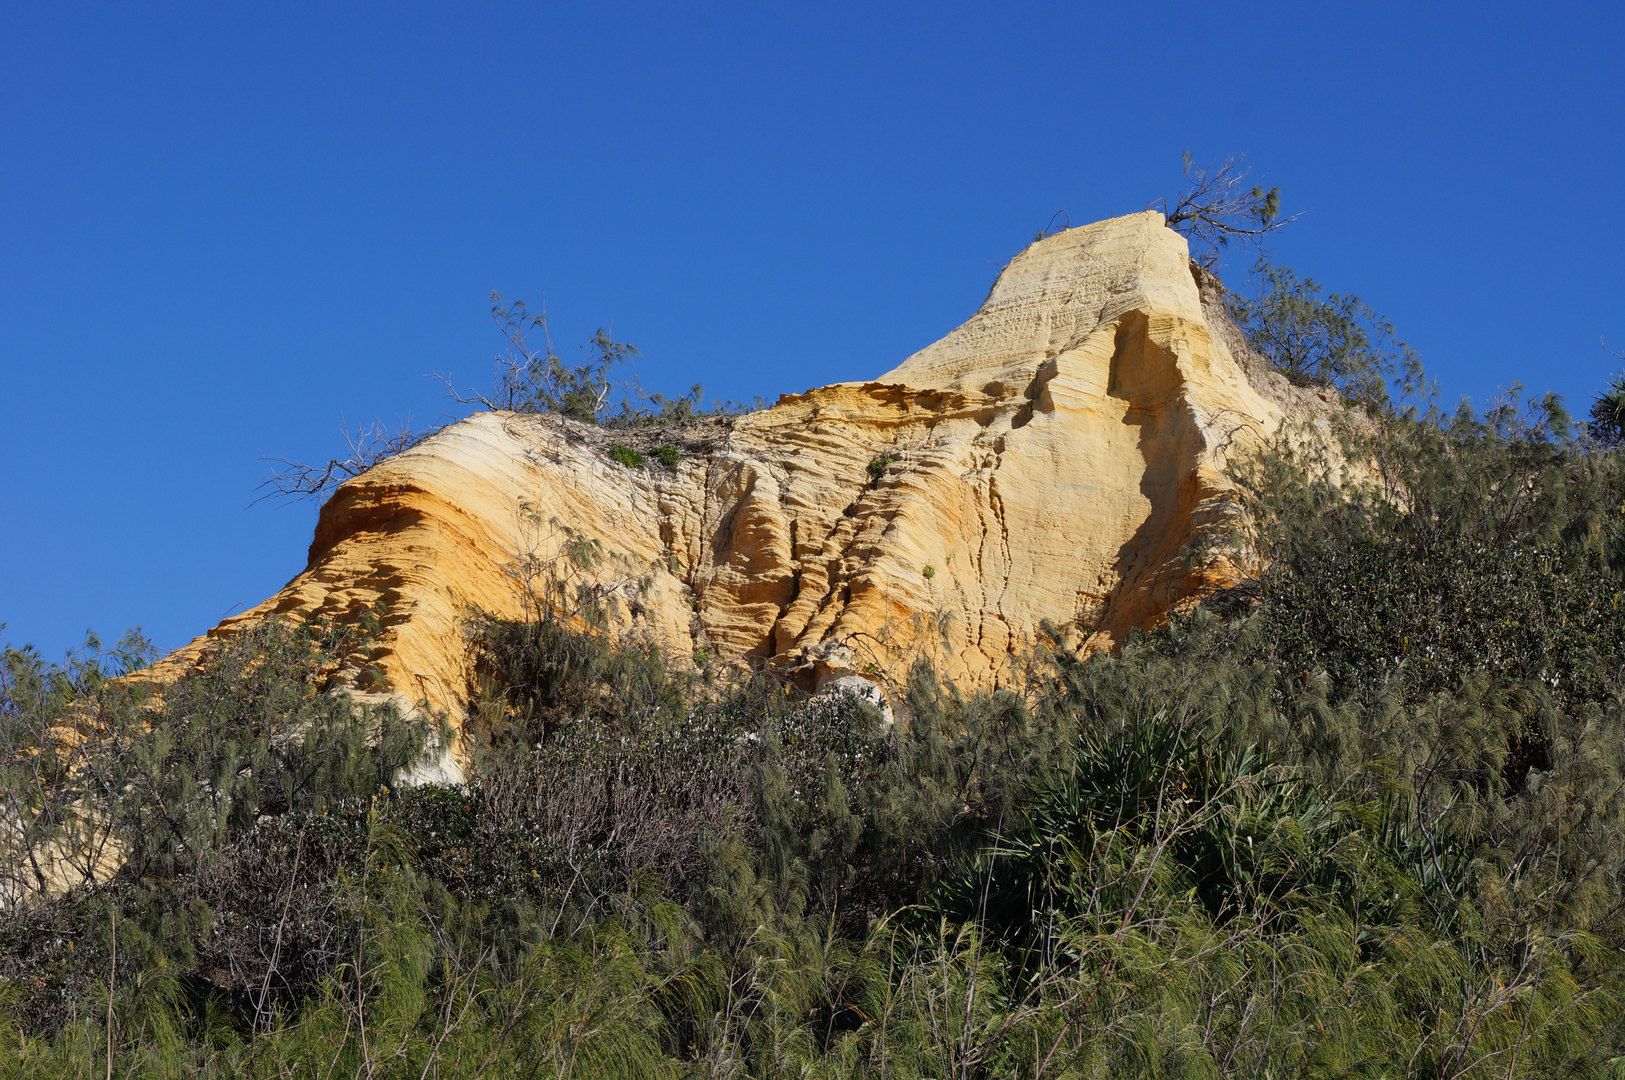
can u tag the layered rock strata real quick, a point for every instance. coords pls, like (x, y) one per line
(1058, 458)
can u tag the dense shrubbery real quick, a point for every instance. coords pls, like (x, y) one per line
(182, 789)
(1313, 827)
(1182, 860)
(1364, 815)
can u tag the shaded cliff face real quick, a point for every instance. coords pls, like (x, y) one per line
(1058, 457)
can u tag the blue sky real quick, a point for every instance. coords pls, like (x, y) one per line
(223, 227)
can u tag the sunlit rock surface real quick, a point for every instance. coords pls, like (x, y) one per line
(1060, 457)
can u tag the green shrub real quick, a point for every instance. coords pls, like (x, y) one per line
(533, 378)
(538, 380)
(666, 455)
(192, 791)
(1606, 421)
(625, 455)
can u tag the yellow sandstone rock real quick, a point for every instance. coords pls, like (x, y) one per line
(1060, 457)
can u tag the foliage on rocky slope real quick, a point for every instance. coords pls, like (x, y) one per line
(1312, 827)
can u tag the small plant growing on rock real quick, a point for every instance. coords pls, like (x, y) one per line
(929, 572)
(877, 467)
(625, 455)
(666, 455)
(531, 380)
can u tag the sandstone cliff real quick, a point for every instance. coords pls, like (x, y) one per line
(1058, 457)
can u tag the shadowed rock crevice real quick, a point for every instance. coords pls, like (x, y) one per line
(1146, 377)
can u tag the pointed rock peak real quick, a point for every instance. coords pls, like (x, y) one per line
(1054, 295)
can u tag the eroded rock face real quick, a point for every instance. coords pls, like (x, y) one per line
(1058, 457)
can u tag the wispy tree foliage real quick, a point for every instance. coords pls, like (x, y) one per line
(1320, 339)
(533, 378)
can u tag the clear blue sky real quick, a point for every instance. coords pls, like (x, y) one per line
(223, 226)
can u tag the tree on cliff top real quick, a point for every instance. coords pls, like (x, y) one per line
(531, 380)
(538, 380)
(1218, 207)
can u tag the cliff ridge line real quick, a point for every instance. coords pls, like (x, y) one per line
(1056, 459)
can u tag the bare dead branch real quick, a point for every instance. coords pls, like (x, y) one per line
(1218, 207)
(368, 445)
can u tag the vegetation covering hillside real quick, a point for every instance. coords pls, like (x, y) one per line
(1362, 816)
